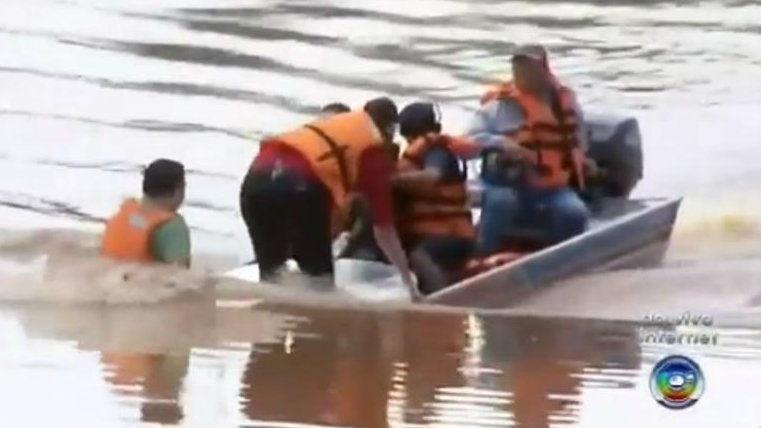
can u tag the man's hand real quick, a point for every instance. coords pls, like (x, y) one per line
(514, 151)
(409, 281)
(388, 241)
(591, 169)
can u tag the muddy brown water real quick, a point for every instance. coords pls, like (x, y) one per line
(91, 90)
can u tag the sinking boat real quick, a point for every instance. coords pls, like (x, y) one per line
(624, 232)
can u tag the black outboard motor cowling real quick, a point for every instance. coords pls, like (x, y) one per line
(615, 143)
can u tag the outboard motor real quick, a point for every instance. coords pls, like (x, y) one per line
(615, 143)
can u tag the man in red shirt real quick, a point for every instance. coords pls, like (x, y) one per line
(301, 182)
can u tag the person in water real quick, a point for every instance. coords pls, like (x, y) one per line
(433, 213)
(360, 240)
(357, 229)
(535, 124)
(151, 229)
(300, 179)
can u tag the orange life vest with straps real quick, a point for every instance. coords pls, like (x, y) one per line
(129, 232)
(333, 147)
(550, 132)
(439, 208)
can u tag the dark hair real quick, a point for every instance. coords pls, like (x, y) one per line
(335, 108)
(162, 178)
(383, 111)
(418, 119)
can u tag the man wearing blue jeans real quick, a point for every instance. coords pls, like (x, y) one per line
(532, 125)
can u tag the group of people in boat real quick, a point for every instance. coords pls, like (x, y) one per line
(343, 173)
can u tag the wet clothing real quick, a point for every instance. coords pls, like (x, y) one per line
(336, 149)
(171, 241)
(287, 216)
(297, 193)
(142, 233)
(372, 181)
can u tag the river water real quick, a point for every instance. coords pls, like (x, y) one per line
(91, 90)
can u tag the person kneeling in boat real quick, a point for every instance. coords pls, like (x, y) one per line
(302, 178)
(151, 229)
(431, 197)
(534, 122)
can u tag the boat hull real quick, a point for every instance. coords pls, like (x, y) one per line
(635, 240)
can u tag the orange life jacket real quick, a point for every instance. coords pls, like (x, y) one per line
(439, 208)
(333, 146)
(129, 232)
(550, 134)
(129, 369)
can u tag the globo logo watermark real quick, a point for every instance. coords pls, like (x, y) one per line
(677, 382)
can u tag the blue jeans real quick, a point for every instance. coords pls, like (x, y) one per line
(559, 212)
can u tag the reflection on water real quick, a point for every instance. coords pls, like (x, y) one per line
(343, 367)
(335, 371)
(277, 365)
(154, 379)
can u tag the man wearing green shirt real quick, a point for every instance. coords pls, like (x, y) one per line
(151, 230)
(171, 242)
